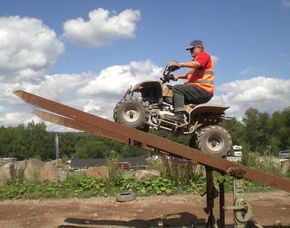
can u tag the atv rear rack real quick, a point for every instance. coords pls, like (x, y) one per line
(70, 117)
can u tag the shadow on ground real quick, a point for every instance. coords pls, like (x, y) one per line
(172, 220)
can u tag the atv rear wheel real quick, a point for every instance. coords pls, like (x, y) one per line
(132, 113)
(214, 140)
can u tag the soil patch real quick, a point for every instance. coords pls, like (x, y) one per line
(269, 210)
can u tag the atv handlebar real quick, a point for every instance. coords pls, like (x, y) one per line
(167, 76)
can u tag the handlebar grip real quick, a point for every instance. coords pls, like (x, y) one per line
(173, 68)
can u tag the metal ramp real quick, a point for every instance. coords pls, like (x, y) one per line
(74, 118)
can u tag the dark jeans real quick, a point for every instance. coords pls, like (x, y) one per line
(190, 94)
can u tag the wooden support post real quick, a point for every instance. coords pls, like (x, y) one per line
(211, 194)
(222, 205)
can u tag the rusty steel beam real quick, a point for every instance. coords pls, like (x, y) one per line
(71, 123)
(61, 120)
(152, 141)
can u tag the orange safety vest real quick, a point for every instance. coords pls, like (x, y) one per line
(202, 77)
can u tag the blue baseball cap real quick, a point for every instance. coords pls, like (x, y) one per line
(194, 43)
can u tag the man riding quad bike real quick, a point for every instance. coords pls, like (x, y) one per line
(180, 109)
(149, 103)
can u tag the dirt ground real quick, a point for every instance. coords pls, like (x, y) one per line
(269, 209)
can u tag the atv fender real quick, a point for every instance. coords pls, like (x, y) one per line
(149, 90)
(206, 108)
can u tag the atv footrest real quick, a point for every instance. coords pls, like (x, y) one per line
(170, 125)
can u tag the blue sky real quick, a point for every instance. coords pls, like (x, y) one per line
(249, 40)
(248, 35)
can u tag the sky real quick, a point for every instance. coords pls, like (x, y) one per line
(87, 53)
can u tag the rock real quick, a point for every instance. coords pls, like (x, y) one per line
(146, 174)
(101, 171)
(48, 172)
(32, 169)
(5, 172)
(52, 172)
(18, 169)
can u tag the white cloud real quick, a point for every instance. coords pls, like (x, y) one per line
(264, 93)
(27, 49)
(102, 28)
(246, 70)
(98, 93)
(91, 92)
(215, 59)
(117, 79)
(286, 3)
(91, 106)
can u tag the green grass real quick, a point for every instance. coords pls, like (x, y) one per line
(175, 179)
(77, 185)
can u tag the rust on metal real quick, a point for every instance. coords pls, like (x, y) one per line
(236, 172)
(89, 122)
(71, 123)
(60, 120)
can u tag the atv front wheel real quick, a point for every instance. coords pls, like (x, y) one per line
(132, 113)
(214, 140)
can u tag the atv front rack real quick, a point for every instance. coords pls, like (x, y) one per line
(70, 117)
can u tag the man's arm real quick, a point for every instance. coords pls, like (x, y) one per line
(180, 76)
(192, 64)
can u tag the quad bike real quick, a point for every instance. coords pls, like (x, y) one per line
(147, 104)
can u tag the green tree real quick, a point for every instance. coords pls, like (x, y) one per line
(67, 142)
(15, 140)
(41, 143)
(235, 129)
(89, 147)
(280, 130)
(256, 131)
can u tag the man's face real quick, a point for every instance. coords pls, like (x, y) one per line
(194, 51)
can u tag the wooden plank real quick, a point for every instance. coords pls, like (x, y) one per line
(152, 141)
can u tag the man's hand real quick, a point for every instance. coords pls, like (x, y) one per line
(173, 64)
